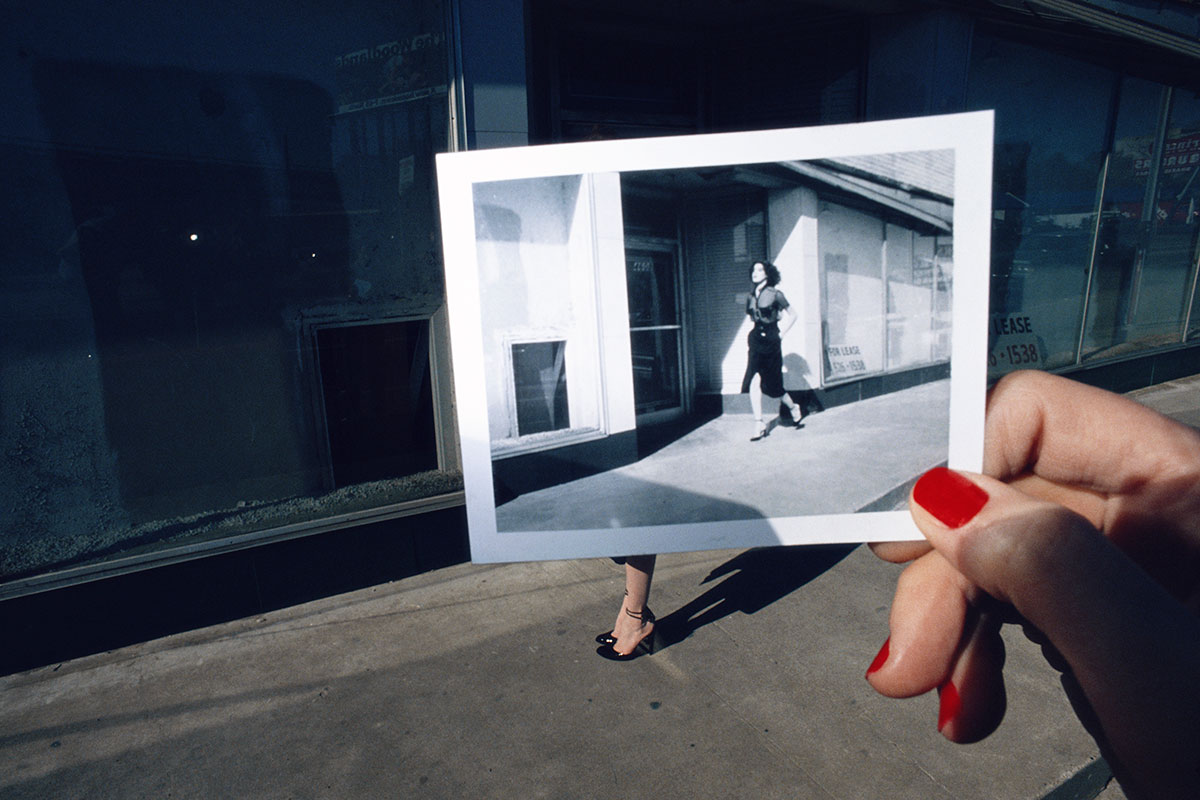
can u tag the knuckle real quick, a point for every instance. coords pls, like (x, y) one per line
(1014, 553)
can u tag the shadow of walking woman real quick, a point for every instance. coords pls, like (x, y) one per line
(752, 580)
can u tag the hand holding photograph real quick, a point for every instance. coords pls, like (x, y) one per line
(720, 340)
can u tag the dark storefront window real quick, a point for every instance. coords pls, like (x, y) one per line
(1179, 196)
(619, 85)
(1096, 204)
(201, 221)
(1164, 265)
(1123, 222)
(1051, 120)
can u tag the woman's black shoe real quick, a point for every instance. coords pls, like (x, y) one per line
(646, 646)
(608, 638)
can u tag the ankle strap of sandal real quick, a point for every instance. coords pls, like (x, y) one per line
(645, 615)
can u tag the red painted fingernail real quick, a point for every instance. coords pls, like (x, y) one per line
(881, 657)
(949, 704)
(950, 497)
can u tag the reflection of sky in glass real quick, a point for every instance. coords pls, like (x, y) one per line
(1050, 110)
(222, 41)
(1185, 112)
(1133, 144)
(1051, 121)
(1181, 151)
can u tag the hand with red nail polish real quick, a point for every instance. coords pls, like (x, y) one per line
(1086, 526)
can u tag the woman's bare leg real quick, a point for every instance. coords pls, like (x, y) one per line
(792, 406)
(632, 625)
(756, 406)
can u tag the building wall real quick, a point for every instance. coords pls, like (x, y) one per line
(1077, 106)
(724, 236)
(552, 269)
(792, 226)
(918, 63)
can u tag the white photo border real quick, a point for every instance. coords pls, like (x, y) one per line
(969, 135)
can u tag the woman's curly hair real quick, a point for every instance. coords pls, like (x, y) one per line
(773, 276)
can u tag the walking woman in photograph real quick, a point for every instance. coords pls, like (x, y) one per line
(772, 316)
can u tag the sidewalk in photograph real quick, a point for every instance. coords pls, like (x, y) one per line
(848, 458)
(481, 682)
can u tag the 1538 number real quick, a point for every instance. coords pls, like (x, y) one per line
(1014, 355)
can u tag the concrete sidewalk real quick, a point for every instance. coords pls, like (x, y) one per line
(481, 682)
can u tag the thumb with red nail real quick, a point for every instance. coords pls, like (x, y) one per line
(1086, 526)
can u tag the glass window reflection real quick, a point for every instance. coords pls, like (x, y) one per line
(1122, 228)
(1050, 141)
(1163, 274)
(194, 212)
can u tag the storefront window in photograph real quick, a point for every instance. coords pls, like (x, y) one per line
(887, 270)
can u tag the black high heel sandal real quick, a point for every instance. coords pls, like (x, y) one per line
(648, 645)
(608, 638)
(797, 415)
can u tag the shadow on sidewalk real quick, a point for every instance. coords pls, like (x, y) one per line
(752, 581)
(652, 438)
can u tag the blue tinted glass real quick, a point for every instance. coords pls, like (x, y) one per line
(192, 199)
(1051, 119)
(1123, 233)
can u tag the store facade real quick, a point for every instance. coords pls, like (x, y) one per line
(221, 276)
(1094, 241)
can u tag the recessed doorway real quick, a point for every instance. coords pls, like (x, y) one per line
(655, 331)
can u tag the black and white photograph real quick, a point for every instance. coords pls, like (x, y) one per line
(664, 346)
